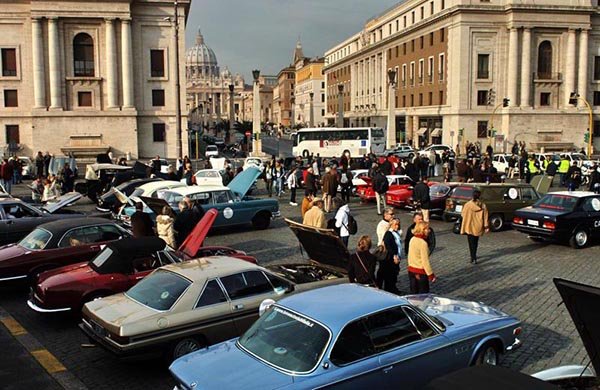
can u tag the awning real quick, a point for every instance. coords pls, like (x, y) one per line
(436, 132)
(422, 131)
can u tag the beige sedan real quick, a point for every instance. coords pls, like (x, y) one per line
(183, 307)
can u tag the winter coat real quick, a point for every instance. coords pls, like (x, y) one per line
(474, 218)
(421, 195)
(315, 217)
(165, 230)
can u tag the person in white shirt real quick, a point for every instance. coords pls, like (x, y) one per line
(341, 219)
(384, 224)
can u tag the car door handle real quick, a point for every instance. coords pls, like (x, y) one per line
(388, 369)
(239, 306)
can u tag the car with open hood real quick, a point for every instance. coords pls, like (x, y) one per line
(17, 218)
(396, 182)
(56, 244)
(109, 200)
(401, 195)
(317, 339)
(183, 307)
(232, 203)
(565, 216)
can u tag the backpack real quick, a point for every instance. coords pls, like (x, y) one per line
(344, 178)
(352, 224)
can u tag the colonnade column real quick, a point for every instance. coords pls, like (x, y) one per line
(39, 81)
(583, 66)
(127, 63)
(570, 70)
(526, 69)
(111, 63)
(513, 60)
(54, 63)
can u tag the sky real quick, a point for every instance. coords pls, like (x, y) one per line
(262, 34)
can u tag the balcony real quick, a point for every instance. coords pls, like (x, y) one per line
(547, 77)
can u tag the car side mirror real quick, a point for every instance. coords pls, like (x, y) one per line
(264, 306)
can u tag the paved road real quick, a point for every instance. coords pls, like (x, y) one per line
(514, 275)
(274, 146)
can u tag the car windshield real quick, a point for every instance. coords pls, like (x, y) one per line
(171, 198)
(159, 290)
(37, 239)
(557, 202)
(438, 190)
(286, 340)
(253, 161)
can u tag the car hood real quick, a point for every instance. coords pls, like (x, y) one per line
(452, 311)
(194, 241)
(11, 251)
(583, 303)
(117, 310)
(323, 246)
(242, 182)
(67, 274)
(541, 183)
(61, 202)
(191, 369)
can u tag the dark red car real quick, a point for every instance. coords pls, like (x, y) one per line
(56, 244)
(119, 266)
(401, 196)
(438, 193)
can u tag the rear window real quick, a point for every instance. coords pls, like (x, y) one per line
(160, 290)
(438, 190)
(37, 239)
(463, 193)
(557, 202)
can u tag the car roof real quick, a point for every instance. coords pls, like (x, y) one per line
(327, 304)
(189, 190)
(574, 194)
(210, 267)
(62, 225)
(482, 186)
(155, 185)
(140, 246)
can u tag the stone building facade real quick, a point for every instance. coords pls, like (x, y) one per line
(283, 93)
(80, 79)
(309, 92)
(456, 60)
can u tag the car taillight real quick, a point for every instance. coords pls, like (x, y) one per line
(517, 331)
(518, 220)
(549, 225)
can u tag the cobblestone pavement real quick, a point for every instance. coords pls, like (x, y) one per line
(514, 275)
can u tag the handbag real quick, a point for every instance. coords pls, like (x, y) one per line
(380, 253)
(366, 270)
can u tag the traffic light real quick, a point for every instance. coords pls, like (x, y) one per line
(491, 97)
(586, 136)
(573, 98)
(505, 102)
(461, 132)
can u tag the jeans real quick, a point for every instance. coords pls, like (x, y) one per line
(293, 196)
(473, 243)
(269, 186)
(345, 193)
(345, 240)
(380, 202)
(279, 186)
(419, 284)
(7, 185)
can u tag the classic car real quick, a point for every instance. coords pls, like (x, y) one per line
(55, 244)
(502, 200)
(396, 182)
(18, 218)
(401, 151)
(235, 208)
(109, 200)
(316, 339)
(98, 178)
(209, 177)
(500, 161)
(438, 193)
(572, 217)
(400, 196)
(183, 307)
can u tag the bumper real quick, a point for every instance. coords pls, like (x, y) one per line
(397, 203)
(100, 340)
(547, 234)
(9, 278)
(516, 345)
(275, 215)
(35, 307)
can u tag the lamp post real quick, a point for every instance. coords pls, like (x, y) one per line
(292, 112)
(178, 146)
(311, 108)
(391, 119)
(231, 113)
(340, 118)
(256, 146)
(573, 100)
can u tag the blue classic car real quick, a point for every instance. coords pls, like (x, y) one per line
(352, 336)
(234, 207)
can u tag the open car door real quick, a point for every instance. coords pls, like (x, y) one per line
(193, 242)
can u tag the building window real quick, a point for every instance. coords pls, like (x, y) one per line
(422, 13)
(422, 39)
(597, 68)
(323, 112)
(397, 25)
(482, 129)
(323, 97)
(404, 21)
(11, 98)
(404, 48)
(596, 99)
(483, 66)
(482, 98)
(430, 102)
(83, 55)
(403, 100)
(545, 99)
(9, 62)
(412, 100)
(412, 46)
(158, 132)
(420, 99)
(157, 63)
(442, 35)
(441, 97)
(431, 7)
(12, 134)
(84, 99)
(430, 70)
(441, 67)
(544, 68)
(431, 39)
(443, 4)
(403, 74)
(412, 73)
(421, 70)
(158, 97)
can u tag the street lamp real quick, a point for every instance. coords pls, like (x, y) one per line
(311, 108)
(340, 118)
(256, 147)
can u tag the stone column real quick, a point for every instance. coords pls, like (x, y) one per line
(54, 63)
(582, 85)
(256, 117)
(526, 69)
(127, 63)
(391, 119)
(570, 67)
(111, 63)
(513, 65)
(39, 79)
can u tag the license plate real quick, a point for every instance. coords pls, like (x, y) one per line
(100, 331)
(532, 222)
(458, 208)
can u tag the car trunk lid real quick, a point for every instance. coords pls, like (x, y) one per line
(116, 310)
(194, 241)
(243, 181)
(61, 202)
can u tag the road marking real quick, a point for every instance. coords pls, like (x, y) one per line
(48, 361)
(13, 326)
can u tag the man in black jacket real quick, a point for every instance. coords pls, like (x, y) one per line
(380, 186)
(421, 196)
(418, 217)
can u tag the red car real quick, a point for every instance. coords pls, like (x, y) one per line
(397, 182)
(402, 196)
(56, 244)
(119, 266)
(439, 193)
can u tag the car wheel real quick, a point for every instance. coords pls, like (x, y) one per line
(579, 239)
(261, 221)
(305, 153)
(184, 347)
(496, 222)
(446, 217)
(488, 354)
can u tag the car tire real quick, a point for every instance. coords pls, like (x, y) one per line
(183, 347)
(261, 221)
(487, 354)
(446, 217)
(496, 222)
(305, 153)
(579, 239)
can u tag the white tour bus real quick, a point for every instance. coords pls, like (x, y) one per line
(333, 142)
